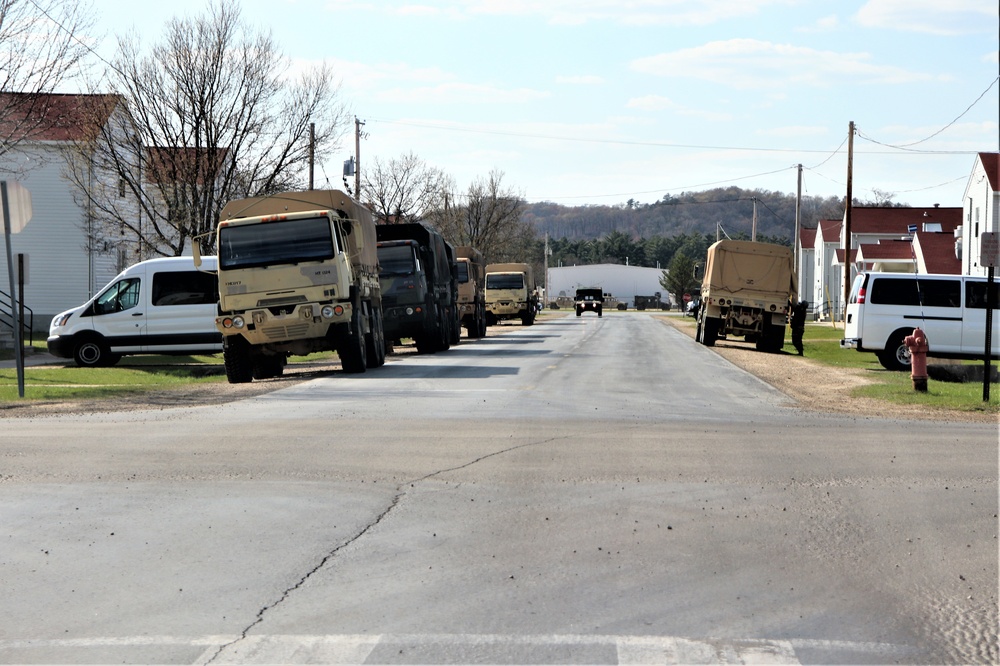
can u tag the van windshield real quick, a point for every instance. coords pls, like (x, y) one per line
(278, 242)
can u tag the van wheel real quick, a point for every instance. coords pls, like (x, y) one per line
(239, 364)
(94, 353)
(896, 355)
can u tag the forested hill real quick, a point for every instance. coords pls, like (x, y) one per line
(687, 213)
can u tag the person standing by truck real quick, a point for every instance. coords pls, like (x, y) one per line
(797, 322)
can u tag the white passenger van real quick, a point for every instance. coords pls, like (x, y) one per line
(160, 306)
(884, 308)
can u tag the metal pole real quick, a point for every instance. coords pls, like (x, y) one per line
(13, 303)
(991, 303)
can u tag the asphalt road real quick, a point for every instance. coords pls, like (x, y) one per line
(580, 491)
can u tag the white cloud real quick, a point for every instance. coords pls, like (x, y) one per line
(954, 17)
(825, 24)
(749, 63)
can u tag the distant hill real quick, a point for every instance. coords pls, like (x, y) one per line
(687, 213)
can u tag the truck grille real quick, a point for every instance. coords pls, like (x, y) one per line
(289, 332)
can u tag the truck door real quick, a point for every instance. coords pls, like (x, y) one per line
(118, 315)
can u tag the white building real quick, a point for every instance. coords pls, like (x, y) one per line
(622, 282)
(980, 211)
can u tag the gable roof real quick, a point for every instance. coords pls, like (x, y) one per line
(937, 252)
(807, 237)
(991, 164)
(891, 221)
(830, 230)
(52, 116)
(885, 249)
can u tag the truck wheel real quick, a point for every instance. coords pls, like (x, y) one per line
(239, 364)
(376, 341)
(771, 338)
(600, 311)
(709, 330)
(353, 347)
(268, 367)
(93, 352)
(896, 355)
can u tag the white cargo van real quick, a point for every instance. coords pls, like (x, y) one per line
(160, 306)
(884, 308)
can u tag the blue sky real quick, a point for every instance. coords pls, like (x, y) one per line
(601, 101)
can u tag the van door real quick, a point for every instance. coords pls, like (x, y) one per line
(118, 314)
(181, 314)
(907, 301)
(974, 324)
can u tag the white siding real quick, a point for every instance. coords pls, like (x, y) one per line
(622, 282)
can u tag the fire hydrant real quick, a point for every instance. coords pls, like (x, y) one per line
(918, 346)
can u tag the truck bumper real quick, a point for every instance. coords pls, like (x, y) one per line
(304, 322)
(403, 321)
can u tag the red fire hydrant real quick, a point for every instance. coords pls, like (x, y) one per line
(917, 344)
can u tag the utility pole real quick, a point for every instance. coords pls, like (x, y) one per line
(358, 124)
(847, 216)
(312, 152)
(753, 234)
(798, 222)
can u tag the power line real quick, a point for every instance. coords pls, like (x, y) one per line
(906, 146)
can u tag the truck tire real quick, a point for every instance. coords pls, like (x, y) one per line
(237, 359)
(93, 352)
(709, 330)
(376, 340)
(353, 346)
(268, 367)
(896, 355)
(771, 338)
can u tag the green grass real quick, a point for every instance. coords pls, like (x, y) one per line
(821, 342)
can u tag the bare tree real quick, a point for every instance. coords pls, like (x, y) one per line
(489, 220)
(209, 115)
(404, 189)
(40, 49)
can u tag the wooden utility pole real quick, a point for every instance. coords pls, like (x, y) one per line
(847, 216)
(798, 222)
(358, 124)
(312, 153)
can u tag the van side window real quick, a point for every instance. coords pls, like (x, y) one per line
(915, 292)
(185, 288)
(975, 294)
(122, 295)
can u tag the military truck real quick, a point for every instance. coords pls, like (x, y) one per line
(654, 302)
(418, 274)
(510, 293)
(472, 290)
(746, 290)
(298, 273)
(589, 299)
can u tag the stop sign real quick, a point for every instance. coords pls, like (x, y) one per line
(687, 297)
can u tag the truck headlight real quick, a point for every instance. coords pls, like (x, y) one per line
(232, 322)
(327, 312)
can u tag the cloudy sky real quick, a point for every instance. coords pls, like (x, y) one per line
(602, 101)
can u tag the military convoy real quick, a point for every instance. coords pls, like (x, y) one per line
(418, 275)
(746, 290)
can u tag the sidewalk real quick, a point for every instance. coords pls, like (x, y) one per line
(38, 358)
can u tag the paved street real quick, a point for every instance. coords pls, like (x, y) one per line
(580, 491)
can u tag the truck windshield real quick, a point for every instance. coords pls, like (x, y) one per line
(505, 281)
(396, 260)
(463, 272)
(279, 242)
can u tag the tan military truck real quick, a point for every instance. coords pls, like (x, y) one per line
(471, 290)
(298, 273)
(746, 290)
(510, 293)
